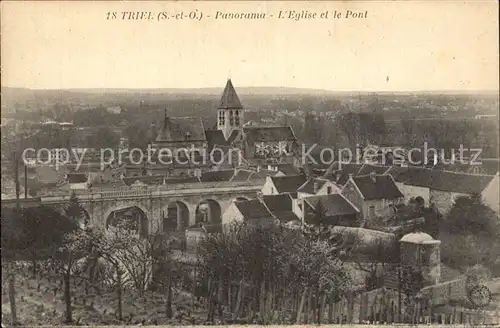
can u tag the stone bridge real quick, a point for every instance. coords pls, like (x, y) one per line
(159, 208)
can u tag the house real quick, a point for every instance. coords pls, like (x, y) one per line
(281, 207)
(374, 195)
(267, 210)
(77, 180)
(442, 187)
(491, 194)
(283, 184)
(253, 212)
(339, 171)
(269, 145)
(369, 168)
(286, 169)
(337, 210)
(246, 174)
(316, 187)
(213, 176)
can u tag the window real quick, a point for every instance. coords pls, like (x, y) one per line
(329, 190)
(371, 211)
(222, 118)
(237, 118)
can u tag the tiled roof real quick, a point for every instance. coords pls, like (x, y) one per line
(47, 174)
(253, 209)
(245, 175)
(77, 177)
(242, 175)
(288, 183)
(377, 187)
(222, 175)
(287, 169)
(229, 99)
(334, 204)
(441, 180)
(215, 137)
(263, 173)
(266, 134)
(280, 206)
(369, 168)
(339, 172)
(278, 203)
(488, 167)
(232, 137)
(308, 187)
(176, 129)
(286, 216)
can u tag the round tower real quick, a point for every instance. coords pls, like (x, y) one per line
(422, 252)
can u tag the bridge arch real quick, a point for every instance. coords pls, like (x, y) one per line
(175, 216)
(241, 199)
(134, 217)
(208, 211)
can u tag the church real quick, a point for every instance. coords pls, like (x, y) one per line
(229, 144)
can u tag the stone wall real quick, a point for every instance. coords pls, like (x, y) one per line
(445, 292)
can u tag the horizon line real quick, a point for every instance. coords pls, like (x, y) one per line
(263, 86)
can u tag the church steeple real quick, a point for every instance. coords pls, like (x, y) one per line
(229, 99)
(230, 111)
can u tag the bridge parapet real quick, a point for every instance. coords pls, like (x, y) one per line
(157, 191)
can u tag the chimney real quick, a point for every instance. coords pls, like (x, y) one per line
(350, 175)
(373, 176)
(338, 174)
(315, 187)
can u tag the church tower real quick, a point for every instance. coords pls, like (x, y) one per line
(230, 111)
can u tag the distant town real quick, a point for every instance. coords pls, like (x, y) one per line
(254, 236)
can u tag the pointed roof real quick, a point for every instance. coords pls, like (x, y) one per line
(229, 99)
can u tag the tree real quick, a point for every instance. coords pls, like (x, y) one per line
(9, 271)
(348, 123)
(409, 131)
(104, 137)
(75, 212)
(319, 213)
(274, 269)
(133, 258)
(362, 128)
(312, 130)
(75, 245)
(470, 234)
(470, 215)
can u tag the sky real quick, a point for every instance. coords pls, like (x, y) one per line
(399, 46)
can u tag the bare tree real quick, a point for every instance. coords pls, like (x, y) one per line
(132, 257)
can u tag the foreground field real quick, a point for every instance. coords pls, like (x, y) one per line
(40, 302)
